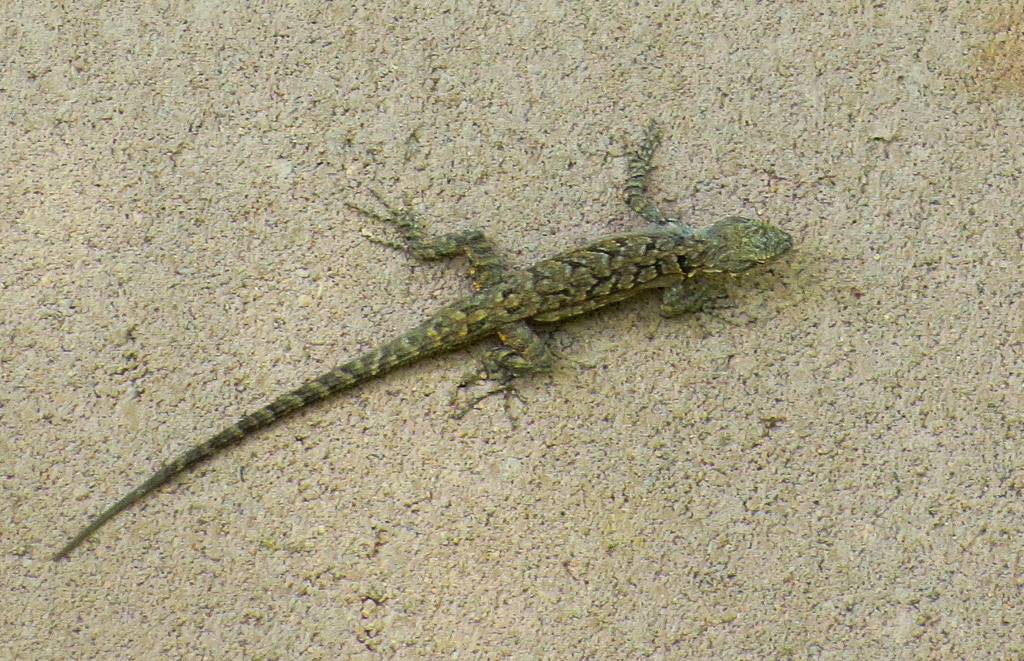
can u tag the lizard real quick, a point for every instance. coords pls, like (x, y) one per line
(670, 255)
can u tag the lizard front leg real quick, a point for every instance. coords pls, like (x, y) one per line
(691, 296)
(686, 295)
(635, 188)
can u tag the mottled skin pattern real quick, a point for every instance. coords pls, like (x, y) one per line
(568, 284)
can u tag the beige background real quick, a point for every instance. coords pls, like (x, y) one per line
(830, 470)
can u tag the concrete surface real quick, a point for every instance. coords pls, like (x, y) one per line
(829, 470)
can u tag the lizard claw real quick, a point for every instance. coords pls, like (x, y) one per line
(494, 372)
(508, 389)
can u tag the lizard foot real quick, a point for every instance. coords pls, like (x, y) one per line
(501, 366)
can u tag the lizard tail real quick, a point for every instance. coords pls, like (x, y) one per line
(377, 361)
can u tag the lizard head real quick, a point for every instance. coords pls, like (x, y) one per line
(736, 244)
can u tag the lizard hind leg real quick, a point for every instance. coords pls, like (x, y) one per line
(522, 353)
(486, 268)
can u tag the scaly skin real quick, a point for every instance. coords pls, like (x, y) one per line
(571, 283)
